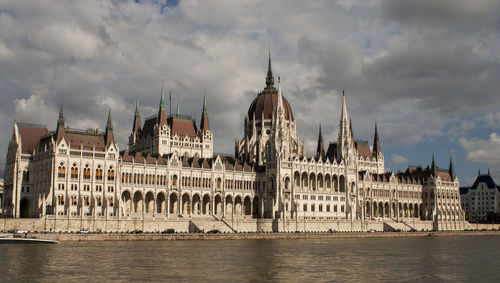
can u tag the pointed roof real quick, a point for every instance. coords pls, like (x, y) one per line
(109, 124)
(279, 105)
(162, 101)
(452, 170)
(320, 150)
(204, 111)
(343, 115)
(136, 126)
(162, 115)
(204, 123)
(433, 166)
(376, 142)
(137, 114)
(60, 120)
(269, 77)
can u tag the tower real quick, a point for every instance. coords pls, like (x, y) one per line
(345, 140)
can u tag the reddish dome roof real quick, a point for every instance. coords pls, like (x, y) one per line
(265, 103)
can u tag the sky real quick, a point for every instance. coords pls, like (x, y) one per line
(427, 72)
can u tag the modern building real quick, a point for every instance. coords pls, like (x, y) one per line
(169, 170)
(481, 201)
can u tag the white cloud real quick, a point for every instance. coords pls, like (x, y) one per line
(399, 159)
(485, 151)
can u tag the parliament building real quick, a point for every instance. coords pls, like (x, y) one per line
(170, 177)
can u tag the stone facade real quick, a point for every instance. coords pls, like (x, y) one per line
(169, 173)
(481, 201)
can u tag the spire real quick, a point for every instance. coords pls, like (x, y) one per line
(137, 114)
(320, 150)
(452, 170)
(279, 106)
(433, 166)
(162, 101)
(178, 112)
(136, 126)
(162, 113)
(60, 120)
(376, 142)
(109, 125)
(109, 131)
(204, 124)
(60, 125)
(204, 113)
(345, 139)
(269, 78)
(344, 115)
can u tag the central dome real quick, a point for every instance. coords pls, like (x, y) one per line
(266, 102)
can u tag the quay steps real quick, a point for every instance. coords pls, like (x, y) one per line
(392, 226)
(207, 223)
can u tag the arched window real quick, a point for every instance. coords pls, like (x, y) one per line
(74, 171)
(111, 174)
(98, 173)
(60, 200)
(61, 171)
(174, 181)
(86, 172)
(218, 183)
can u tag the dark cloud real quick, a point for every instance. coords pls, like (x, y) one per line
(406, 64)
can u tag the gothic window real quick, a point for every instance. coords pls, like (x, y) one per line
(98, 173)
(111, 174)
(61, 171)
(74, 200)
(218, 183)
(60, 200)
(74, 171)
(86, 172)
(174, 181)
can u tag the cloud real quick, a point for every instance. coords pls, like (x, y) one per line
(418, 68)
(399, 159)
(485, 151)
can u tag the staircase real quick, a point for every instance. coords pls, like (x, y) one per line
(206, 223)
(393, 226)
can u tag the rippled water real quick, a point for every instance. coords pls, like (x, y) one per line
(475, 259)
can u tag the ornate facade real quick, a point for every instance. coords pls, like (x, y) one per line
(170, 171)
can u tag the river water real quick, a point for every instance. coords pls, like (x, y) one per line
(429, 259)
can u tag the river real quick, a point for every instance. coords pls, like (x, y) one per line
(460, 258)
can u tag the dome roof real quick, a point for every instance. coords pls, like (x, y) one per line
(265, 103)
